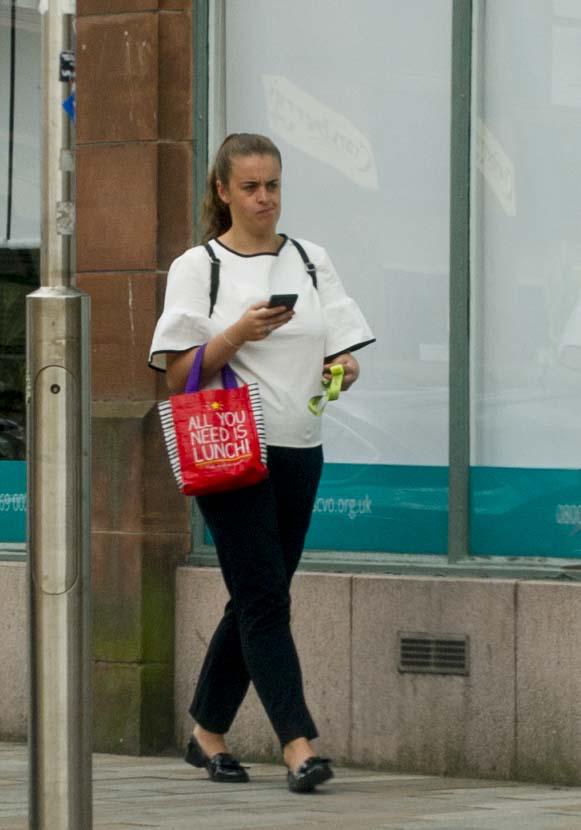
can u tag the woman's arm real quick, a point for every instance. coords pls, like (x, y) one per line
(255, 324)
(218, 352)
(346, 327)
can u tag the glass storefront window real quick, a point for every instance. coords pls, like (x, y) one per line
(526, 279)
(19, 271)
(362, 116)
(19, 241)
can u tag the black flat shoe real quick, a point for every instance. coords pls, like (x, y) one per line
(220, 767)
(312, 772)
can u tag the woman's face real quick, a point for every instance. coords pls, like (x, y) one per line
(253, 194)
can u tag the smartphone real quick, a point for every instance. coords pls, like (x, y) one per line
(287, 300)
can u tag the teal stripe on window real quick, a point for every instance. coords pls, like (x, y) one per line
(404, 509)
(381, 507)
(525, 512)
(12, 501)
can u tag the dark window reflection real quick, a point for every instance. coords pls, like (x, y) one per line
(19, 275)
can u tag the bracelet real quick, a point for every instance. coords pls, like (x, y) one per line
(229, 342)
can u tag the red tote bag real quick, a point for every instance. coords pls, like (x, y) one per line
(215, 437)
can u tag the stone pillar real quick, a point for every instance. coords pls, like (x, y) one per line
(134, 215)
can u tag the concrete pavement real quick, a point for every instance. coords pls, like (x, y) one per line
(165, 793)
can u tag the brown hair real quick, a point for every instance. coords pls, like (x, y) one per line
(216, 218)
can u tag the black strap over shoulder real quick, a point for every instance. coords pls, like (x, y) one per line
(215, 270)
(214, 276)
(311, 270)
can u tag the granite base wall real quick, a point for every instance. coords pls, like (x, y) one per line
(513, 716)
(516, 715)
(13, 651)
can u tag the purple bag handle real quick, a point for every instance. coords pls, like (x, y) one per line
(193, 382)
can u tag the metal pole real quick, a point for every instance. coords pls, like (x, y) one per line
(459, 368)
(58, 395)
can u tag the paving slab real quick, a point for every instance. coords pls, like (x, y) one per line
(165, 793)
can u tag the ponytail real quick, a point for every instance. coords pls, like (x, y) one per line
(216, 218)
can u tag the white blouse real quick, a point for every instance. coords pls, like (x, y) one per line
(289, 362)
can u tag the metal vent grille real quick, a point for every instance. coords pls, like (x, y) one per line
(434, 653)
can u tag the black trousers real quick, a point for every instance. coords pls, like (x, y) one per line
(259, 533)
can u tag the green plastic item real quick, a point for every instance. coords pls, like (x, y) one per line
(332, 387)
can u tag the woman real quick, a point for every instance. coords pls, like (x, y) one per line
(259, 531)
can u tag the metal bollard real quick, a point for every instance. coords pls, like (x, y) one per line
(59, 560)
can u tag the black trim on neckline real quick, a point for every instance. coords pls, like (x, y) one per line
(249, 256)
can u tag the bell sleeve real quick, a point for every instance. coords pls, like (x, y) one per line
(346, 327)
(185, 321)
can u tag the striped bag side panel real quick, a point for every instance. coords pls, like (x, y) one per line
(169, 434)
(256, 404)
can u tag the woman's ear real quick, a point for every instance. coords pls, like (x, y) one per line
(222, 191)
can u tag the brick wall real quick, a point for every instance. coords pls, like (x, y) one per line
(134, 209)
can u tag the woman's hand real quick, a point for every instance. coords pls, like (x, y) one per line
(258, 322)
(350, 366)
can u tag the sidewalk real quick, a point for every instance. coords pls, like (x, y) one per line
(166, 793)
